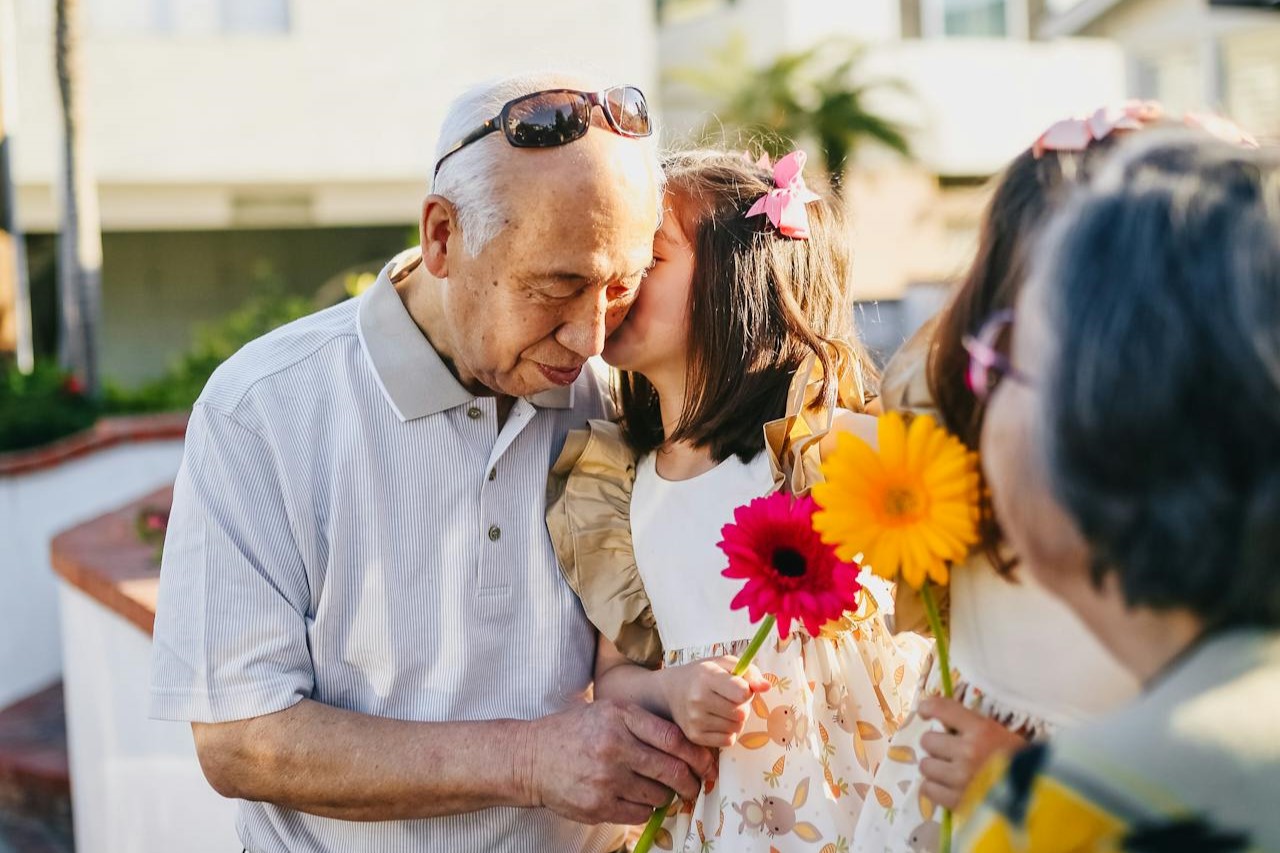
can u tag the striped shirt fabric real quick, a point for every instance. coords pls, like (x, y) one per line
(352, 526)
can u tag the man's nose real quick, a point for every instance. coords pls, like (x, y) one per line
(584, 331)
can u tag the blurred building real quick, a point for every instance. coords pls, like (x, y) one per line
(979, 86)
(243, 144)
(249, 144)
(1190, 54)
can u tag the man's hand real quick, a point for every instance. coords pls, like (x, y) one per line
(612, 763)
(957, 754)
(708, 701)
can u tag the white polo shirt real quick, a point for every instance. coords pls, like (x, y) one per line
(353, 526)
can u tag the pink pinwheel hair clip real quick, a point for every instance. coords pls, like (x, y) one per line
(785, 203)
(1077, 134)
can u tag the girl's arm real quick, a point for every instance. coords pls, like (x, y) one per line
(704, 699)
(619, 679)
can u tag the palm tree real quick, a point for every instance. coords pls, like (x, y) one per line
(809, 95)
(80, 236)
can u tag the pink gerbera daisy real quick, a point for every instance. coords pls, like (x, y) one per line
(789, 572)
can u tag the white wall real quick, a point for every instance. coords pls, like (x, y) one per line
(33, 508)
(137, 782)
(775, 26)
(1195, 57)
(350, 97)
(975, 102)
(768, 28)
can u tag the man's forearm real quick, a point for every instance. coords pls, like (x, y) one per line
(341, 764)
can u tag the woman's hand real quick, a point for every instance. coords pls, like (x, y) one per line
(708, 702)
(956, 755)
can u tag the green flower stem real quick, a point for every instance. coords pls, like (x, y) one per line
(749, 654)
(651, 828)
(944, 662)
(940, 635)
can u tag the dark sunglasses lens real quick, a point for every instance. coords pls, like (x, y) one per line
(548, 119)
(629, 110)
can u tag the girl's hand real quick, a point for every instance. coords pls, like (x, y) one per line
(957, 754)
(708, 702)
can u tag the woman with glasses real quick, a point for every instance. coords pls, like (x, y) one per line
(1134, 459)
(1023, 664)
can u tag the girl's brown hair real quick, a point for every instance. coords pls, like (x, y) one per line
(1025, 194)
(759, 304)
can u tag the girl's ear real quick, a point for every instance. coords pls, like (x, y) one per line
(438, 223)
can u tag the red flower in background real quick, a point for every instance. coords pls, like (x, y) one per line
(73, 386)
(789, 572)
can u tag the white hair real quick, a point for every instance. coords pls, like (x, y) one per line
(466, 178)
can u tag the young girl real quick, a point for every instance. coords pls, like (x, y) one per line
(720, 341)
(1024, 666)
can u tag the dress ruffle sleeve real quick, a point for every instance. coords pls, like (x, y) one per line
(588, 516)
(793, 442)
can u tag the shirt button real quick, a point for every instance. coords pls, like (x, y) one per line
(495, 533)
(493, 474)
(474, 413)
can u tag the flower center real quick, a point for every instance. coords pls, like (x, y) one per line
(788, 562)
(903, 503)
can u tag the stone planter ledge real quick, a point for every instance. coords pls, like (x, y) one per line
(105, 559)
(106, 433)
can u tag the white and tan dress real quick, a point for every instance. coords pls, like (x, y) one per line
(642, 553)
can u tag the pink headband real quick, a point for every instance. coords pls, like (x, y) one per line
(784, 205)
(1077, 134)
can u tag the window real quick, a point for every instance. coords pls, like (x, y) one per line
(254, 16)
(973, 18)
(189, 17)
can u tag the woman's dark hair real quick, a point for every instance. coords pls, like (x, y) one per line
(1024, 196)
(759, 304)
(1161, 399)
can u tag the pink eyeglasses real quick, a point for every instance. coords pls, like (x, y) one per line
(987, 364)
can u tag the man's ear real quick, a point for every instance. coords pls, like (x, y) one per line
(438, 224)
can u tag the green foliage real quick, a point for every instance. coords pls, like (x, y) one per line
(41, 408)
(807, 96)
(179, 387)
(48, 404)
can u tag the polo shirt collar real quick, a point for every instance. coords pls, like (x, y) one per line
(411, 375)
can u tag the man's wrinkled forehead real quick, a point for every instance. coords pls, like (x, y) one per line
(606, 174)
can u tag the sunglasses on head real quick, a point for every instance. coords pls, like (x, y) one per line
(555, 117)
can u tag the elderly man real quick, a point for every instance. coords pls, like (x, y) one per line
(360, 610)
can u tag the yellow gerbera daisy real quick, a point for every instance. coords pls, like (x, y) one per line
(910, 509)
